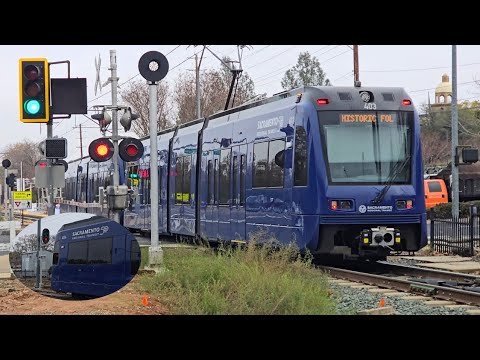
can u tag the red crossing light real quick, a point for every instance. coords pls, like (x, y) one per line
(130, 149)
(45, 236)
(100, 150)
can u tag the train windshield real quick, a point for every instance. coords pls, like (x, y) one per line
(367, 147)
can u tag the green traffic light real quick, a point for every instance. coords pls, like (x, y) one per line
(32, 107)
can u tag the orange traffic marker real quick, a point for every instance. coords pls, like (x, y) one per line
(145, 300)
(381, 303)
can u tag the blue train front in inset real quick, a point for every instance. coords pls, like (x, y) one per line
(94, 257)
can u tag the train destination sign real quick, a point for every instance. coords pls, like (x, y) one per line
(368, 118)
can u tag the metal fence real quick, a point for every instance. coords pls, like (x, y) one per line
(456, 236)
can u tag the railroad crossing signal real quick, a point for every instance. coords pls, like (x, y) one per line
(34, 89)
(100, 150)
(130, 149)
(45, 236)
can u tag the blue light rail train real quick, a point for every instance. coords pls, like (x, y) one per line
(336, 170)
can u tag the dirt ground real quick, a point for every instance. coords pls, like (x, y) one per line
(16, 299)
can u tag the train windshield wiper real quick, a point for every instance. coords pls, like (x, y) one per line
(396, 170)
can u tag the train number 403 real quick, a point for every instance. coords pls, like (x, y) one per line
(370, 106)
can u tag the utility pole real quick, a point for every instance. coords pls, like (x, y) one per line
(197, 77)
(356, 67)
(37, 275)
(455, 194)
(81, 143)
(114, 82)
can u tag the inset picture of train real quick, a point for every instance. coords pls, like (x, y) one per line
(75, 256)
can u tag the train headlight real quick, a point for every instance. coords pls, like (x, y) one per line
(334, 204)
(341, 204)
(404, 204)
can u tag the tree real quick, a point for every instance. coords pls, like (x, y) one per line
(24, 153)
(307, 72)
(136, 95)
(214, 87)
(435, 148)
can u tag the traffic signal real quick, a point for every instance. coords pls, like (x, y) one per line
(6, 163)
(100, 150)
(130, 149)
(12, 181)
(45, 236)
(34, 90)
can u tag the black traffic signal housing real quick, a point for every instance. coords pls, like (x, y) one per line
(56, 148)
(12, 182)
(45, 236)
(100, 150)
(130, 149)
(34, 87)
(6, 163)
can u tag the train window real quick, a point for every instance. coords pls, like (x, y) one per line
(260, 158)
(275, 172)
(243, 172)
(434, 186)
(209, 181)
(224, 190)
(215, 181)
(134, 258)
(179, 180)
(234, 180)
(100, 251)
(301, 157)
(187, 173)
(77, 253)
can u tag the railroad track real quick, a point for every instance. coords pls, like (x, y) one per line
(27, 218)
(441, 285)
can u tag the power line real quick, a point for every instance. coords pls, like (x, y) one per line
(133, 77)
(417, 69)
(464, 83)
(279, 70)
(333, 57)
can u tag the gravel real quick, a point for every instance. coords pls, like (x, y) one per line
(349, 301)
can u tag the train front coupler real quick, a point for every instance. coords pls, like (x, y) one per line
(379, 239)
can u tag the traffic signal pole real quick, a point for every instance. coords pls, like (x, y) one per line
(5, 193)
(114, 82)
(50, 205)
(37, 273)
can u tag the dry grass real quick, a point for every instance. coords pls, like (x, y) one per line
(250, 280)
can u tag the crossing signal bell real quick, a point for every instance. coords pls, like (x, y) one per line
(100, 150)
(34, 90)
(45, 236)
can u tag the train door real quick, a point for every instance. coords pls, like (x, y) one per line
(144, 193)
(239, 163)
(162, 201)
(211, 213)
(225, 194)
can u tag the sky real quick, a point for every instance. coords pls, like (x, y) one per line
(417, 68)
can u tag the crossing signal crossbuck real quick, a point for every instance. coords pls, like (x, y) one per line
(34, 90)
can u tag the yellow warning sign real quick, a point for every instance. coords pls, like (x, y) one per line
(22, 195)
